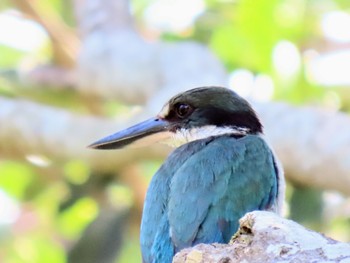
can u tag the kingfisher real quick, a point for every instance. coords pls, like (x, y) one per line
(221, 169)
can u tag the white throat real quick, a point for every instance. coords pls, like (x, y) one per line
(183, 136)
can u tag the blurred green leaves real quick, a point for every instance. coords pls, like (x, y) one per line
(35, 248)
(248, 36)
(73, 220)
(15, 177)
(244, 33)
(76, 171)
(10, 57)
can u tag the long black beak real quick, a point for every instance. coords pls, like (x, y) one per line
(141, 134)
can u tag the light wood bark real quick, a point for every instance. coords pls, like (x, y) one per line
(266, 237)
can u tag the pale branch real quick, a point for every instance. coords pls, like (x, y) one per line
(64, 41)
(116, 62)
(266, 237)
(313, 145)
(28, 128)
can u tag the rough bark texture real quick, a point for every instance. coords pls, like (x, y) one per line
(266, 237)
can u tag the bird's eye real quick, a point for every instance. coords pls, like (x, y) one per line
(182, 110)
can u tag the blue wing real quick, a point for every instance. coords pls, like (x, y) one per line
(218, 185)
(201, 191)
(156, 244)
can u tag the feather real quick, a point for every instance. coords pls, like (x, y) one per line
(202, 190)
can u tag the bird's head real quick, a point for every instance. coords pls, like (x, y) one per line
(195, 114)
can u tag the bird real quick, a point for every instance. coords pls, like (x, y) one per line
(221, 168)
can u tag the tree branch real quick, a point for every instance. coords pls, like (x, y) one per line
(313, 145)
(266, 237)
(64, 41)
(30, 128)
(116, 62)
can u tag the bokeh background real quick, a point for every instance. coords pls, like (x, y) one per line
(74, 71)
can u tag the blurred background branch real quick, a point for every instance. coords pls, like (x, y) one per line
(64, 41)
(73, 71)
(302, 146)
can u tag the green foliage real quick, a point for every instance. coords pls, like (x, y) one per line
(4, 4)
(15, 178)
(339, 228)
(35, 249)
(74, 220)
(9, 57)
(130, 251)
(308, 213)
(248, 36)
(244, 34)
(36, 220)
(76, 171)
